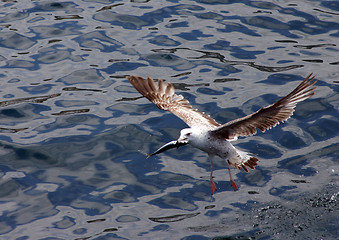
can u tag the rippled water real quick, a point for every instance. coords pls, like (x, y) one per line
(74, 132)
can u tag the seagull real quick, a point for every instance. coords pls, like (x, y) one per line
(212, 137)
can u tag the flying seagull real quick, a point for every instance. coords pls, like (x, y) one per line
(208, 135)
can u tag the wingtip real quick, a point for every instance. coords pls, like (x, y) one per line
(132, 78)
(310, 79)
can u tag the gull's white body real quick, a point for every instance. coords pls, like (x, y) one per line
(203, 140)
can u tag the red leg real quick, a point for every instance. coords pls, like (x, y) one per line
(234, 185)
(213, 186)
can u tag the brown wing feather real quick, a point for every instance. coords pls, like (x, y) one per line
(267, 117)
(163, 95)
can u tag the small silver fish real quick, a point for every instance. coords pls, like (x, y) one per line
(166, 147)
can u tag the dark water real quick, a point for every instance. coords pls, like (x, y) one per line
(74, 132)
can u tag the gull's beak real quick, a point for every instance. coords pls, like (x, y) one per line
(182, 141)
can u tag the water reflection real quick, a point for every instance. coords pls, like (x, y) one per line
(16, 41)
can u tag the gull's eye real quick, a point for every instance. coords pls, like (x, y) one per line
(187, 134)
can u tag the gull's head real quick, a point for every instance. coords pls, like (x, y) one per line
(185, 135)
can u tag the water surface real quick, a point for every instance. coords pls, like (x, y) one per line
(74, 132)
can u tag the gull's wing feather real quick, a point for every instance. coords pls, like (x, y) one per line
(163, 95)
(267, 117)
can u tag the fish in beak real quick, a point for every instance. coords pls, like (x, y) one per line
(167, 146)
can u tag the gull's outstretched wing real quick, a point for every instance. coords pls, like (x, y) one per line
(267, 117)
(163, 95)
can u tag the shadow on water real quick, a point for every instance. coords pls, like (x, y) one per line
(74, 134)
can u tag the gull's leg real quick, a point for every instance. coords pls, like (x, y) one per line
(213, 186)
(234, 185)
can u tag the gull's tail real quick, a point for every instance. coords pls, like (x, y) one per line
(242, 160)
